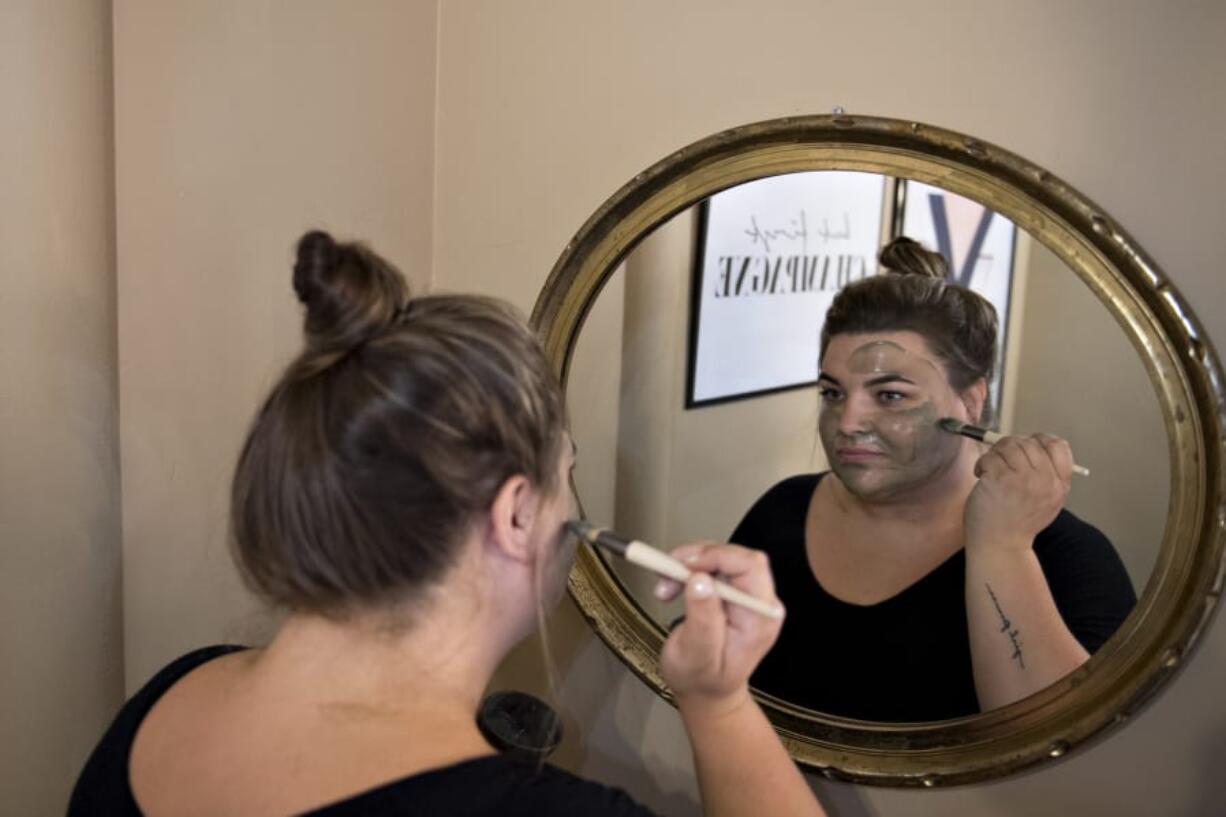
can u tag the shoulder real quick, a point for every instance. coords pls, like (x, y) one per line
(1087, 578)
(103, 784)
(495, 785)
(1068, 536)
(184, 664)
(139, 704)
(1074, 548)
(172, 673)
(778, 514)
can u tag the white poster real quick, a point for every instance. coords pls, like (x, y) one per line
(772, 254)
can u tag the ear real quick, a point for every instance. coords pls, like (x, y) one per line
(973, 398)
(513, 516)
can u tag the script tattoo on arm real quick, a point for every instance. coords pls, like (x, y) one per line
(1006, 626)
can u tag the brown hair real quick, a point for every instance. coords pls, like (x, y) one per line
(387, 436)
(913, 294)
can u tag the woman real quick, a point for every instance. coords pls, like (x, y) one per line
(924, 578)
(401, 495)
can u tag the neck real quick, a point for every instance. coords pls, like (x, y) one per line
(436, 658)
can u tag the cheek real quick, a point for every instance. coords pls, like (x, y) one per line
(557, 566)
(901, 435)
(912, 435)
(898, 428)
(565, 557)
(827, 422)
(931, 443)
(896, 424)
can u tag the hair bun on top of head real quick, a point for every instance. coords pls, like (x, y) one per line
(906, 256)
(350, 294)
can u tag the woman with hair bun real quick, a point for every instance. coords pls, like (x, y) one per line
(925, 576)
(401, 497)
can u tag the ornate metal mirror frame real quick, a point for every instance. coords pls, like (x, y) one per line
(1185, 587)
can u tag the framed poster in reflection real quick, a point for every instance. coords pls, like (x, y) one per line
(979, 244)
(770, 256)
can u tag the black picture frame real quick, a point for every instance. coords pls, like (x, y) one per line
(699, 278)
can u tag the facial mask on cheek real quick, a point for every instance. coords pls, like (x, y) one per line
(911, 433)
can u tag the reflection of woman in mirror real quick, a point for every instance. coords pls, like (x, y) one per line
(401, 496)
(924, 578)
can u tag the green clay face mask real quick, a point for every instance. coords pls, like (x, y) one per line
(880, 407)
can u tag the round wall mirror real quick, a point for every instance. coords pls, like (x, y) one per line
(683, 320)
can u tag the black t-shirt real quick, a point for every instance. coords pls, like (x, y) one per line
(908, 658)
(491, 785)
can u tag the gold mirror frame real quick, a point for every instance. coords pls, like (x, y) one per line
(1185, 587)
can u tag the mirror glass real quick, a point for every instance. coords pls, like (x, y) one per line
(689, 399)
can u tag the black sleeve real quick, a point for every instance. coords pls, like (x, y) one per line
(748, 532)
(1087, 579)
(569, 795)
(488, 786)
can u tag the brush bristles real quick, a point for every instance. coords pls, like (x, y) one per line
(586, 531)
(965, 429)
(951, 425)
(594, 535)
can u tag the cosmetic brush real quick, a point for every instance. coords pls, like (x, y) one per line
(985, 436)
(662, 564)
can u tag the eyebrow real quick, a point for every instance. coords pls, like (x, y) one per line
(887, 377)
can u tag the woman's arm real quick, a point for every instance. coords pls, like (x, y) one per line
(1019, 642)
(742, 767)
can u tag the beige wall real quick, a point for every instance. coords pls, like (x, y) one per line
(714, 460)
(684, 474)
(546, 108)
(468, 140)
(238, 126)
(1079, 376)
(61, 670)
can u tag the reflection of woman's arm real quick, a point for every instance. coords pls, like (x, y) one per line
(1019, 643)
(742, 767)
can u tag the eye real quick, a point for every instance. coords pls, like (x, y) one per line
(830, 394)
(887, 396)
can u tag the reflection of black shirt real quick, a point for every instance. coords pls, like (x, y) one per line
(908, 658)
(491, 785)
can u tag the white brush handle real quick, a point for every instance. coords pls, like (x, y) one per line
(657, 561)
(993, 437)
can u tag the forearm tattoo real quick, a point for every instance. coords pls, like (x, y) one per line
(1006, 626)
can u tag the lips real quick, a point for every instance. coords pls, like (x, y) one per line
(858, 455)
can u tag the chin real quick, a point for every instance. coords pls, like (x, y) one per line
(872, 483)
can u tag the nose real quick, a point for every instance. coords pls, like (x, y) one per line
(856, 416)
